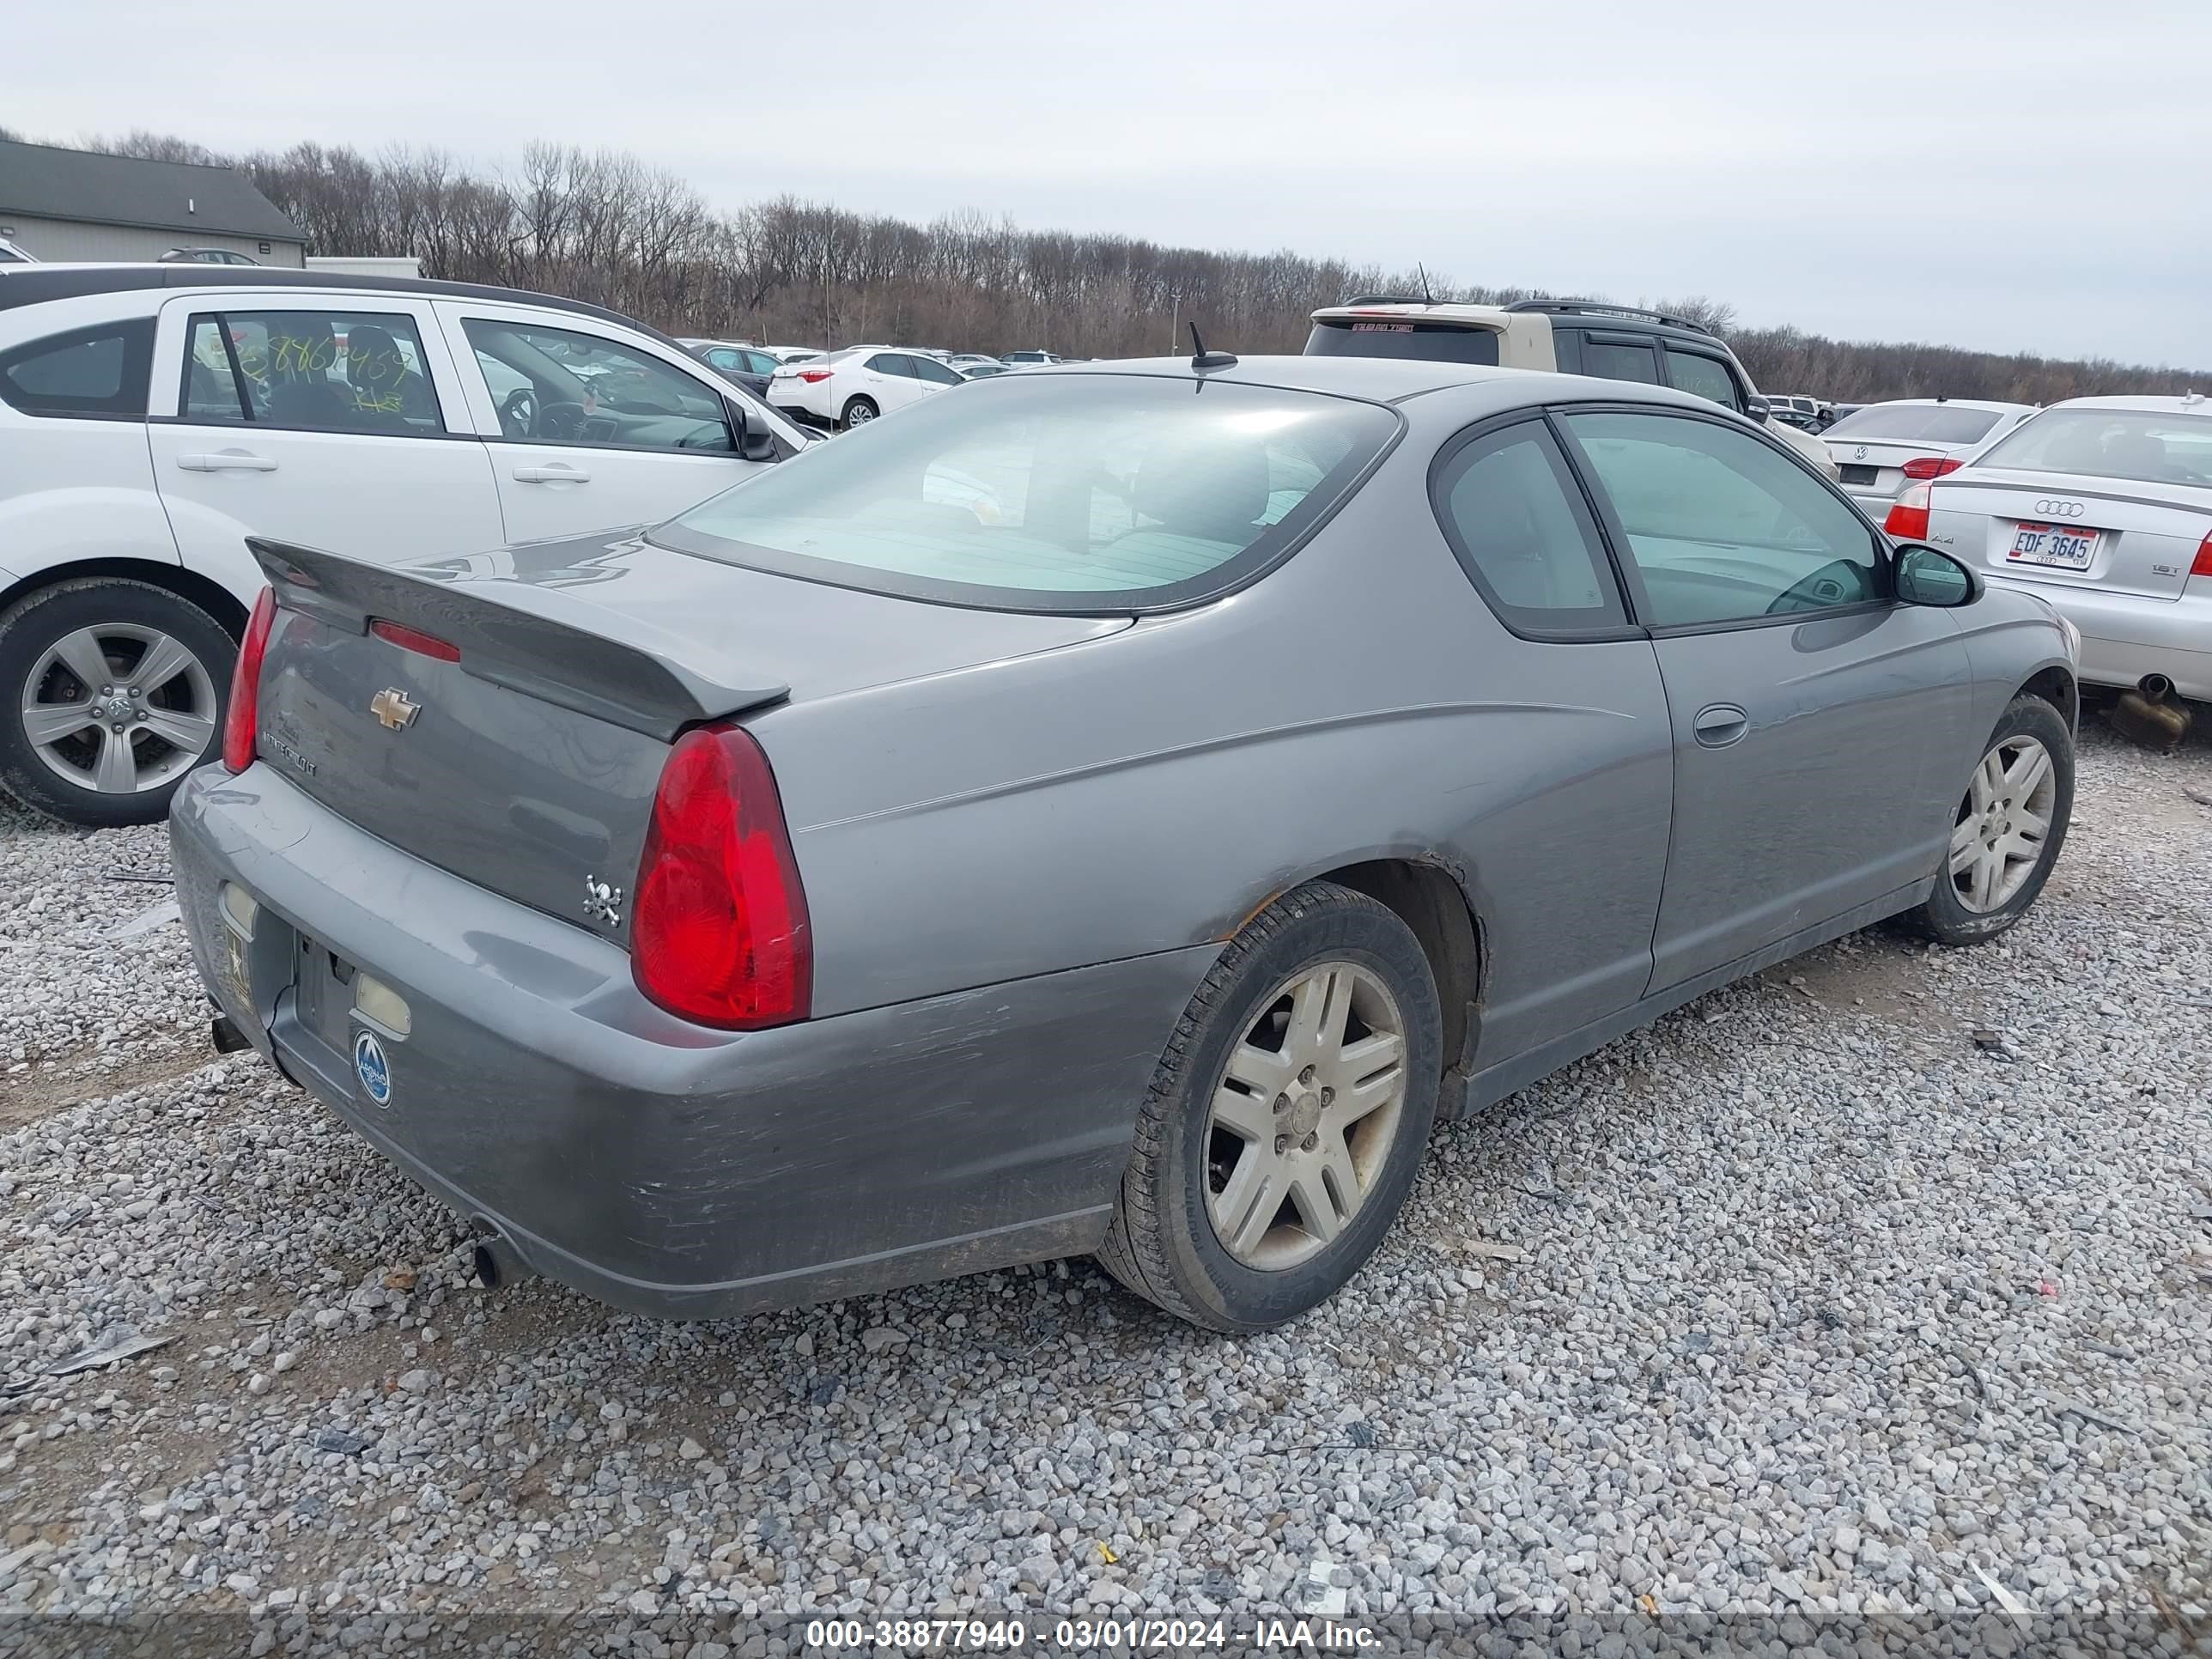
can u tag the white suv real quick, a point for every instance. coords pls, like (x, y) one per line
(153, 416)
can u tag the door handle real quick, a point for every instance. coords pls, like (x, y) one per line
(558, 472)
(227, 460)
(1720, 724)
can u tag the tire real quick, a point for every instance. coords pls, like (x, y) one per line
(1164, 1241)
(1998, 864)
(126, 621)
(859, 412)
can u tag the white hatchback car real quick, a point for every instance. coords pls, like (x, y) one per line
(2103, 507)
(852, 387)
(153, 416)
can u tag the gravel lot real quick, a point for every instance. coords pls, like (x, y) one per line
(1799, 1303)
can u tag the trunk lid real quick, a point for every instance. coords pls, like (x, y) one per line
(2146, 536)
(1877, 464)
(528, 765)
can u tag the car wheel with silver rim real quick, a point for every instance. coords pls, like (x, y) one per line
(113, 690)
(859, 412)
(1288, 1118)
(2008, 828)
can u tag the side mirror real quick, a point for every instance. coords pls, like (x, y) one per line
(1757, 408)
(1928, 575)
(756, 442)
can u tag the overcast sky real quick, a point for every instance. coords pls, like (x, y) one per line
(2028, 175)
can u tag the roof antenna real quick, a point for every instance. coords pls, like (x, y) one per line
(1201, 358)
(1422, 272)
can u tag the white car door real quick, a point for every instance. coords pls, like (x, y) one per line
(934, 376)
(895, 381)
(333, 420)
(590, 426)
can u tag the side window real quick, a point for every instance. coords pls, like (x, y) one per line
(893, 362)
(727, 361)
(101, 370)
(1614, 360)
(558, 387)
(1722, 527)
(1707, 377)
(933, 372)
(318, 371)
(210, 390)
(1515, 518)
(759, 362)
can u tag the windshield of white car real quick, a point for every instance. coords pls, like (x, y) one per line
(2136, 444)
(1936, 424)
(1052, 493)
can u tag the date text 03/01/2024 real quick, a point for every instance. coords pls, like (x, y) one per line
(1089, 1635)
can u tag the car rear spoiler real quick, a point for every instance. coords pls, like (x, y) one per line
(546, 642)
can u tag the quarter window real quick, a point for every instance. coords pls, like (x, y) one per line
(318, 371)
(87, 371)
(556, 386)
(1515, 518)
(1722, 527)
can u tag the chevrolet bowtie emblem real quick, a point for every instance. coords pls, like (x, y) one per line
(394, 707)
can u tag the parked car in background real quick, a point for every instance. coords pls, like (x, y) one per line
(852, 387)
(1882, 447)
(206, 256)
(971, 360)
(750, 366)
(153, 416)
(1019, 359)
(1570, 336)
(874, 803)
(794, 354)
(12, 255)
(983, 371)
(2102, 508)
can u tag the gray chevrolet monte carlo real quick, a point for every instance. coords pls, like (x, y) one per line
(1114, 809)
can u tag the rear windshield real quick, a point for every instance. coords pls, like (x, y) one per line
(1066, 493)
(1428, 343)
(1938, 423)
(2110, 443)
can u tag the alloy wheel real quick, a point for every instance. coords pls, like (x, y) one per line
(118, 708)
(2004, 823)
(1304, 1117)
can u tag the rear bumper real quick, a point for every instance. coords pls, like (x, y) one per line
(2125, 636)
(647, 1161)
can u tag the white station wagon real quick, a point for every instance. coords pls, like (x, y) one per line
(153, 416)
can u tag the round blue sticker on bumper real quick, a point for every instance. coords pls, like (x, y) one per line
(370, 1066)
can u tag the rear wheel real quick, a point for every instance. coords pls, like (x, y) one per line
(859, 412)
(111, 690)
(2008, 830)
(1287, 1120)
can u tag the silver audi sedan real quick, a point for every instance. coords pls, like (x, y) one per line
(2103, 508)
(1114, 809)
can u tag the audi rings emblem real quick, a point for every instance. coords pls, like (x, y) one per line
(2051, 507)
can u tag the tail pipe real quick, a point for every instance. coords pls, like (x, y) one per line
(497, 1261)
(2155, 688)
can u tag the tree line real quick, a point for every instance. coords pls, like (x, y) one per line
(605, 227)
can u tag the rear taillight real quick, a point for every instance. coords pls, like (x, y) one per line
(815, 376)
(1930, 466)
(1908, 515)
(2202, 566)
(719, 932)
(242, 721)
(414, 639)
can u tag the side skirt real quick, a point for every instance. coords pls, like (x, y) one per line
(1493, 1083)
